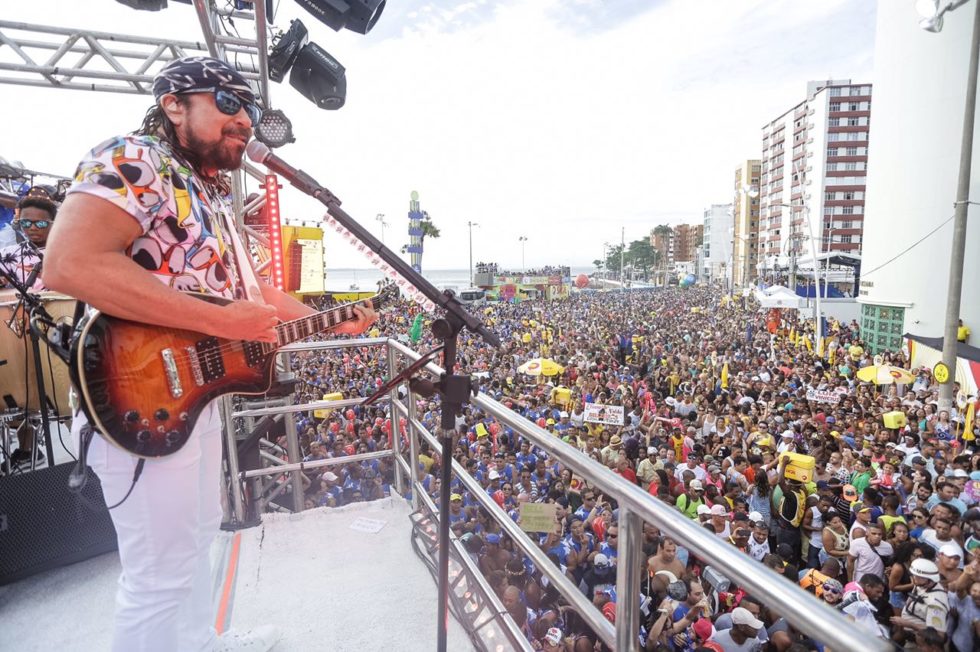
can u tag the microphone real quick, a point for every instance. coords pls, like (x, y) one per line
(261, 154)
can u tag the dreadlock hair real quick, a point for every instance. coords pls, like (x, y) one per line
(157, 123)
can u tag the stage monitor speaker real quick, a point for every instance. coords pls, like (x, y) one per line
(44, 526)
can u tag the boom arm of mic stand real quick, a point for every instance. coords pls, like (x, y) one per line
(306, 184)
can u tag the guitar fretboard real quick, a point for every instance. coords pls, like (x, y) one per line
(299, 329)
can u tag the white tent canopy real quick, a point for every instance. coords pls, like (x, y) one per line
(778, 296)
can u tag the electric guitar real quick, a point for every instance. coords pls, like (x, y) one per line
(143, 386)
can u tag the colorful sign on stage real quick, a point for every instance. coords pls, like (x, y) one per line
(612, 415)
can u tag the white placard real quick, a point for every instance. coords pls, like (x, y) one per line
(612, 415)
(823, 396)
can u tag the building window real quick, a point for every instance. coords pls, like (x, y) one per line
(852, 151)
(828, 196)
(847, 210)
(846, 224)
(848, 195)
(851, 165)
(835, 106)
(835, 91)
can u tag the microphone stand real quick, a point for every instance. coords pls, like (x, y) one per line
(32, 306)
(454, 389)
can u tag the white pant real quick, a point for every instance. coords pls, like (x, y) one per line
(165, 529)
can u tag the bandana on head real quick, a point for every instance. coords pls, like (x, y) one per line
(199, 74)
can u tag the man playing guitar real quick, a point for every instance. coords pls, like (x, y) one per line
(146, 220)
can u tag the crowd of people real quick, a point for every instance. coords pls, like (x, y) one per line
(719, 402)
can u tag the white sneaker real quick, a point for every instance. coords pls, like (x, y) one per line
(258, 639)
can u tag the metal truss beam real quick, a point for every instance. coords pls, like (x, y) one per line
(63, 57)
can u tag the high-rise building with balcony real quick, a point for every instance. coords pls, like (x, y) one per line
(687, 239)
(716, 244)
(745, 218)
(813, 176)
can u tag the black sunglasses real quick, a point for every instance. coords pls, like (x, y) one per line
(230, 104)
(41, 224)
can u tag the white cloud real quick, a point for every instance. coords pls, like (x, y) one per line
(559, 121)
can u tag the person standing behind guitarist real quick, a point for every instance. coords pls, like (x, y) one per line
(144, 222)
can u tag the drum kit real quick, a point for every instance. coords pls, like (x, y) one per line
(34, 380)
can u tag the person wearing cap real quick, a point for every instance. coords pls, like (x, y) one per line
(927, 604)
(646, 469)
(553, 640)
(720, 521)
(612, 452)
(690, 500)
(742, 636)
(147, 219)
(950, 563)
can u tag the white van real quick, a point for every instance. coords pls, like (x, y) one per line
(473, 296)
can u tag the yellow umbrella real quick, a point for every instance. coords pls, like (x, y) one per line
(885, 375)
(541, 367)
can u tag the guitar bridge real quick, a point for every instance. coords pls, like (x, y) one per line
(173, 377)
(195, 365)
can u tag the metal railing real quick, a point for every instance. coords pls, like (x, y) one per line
(802, 610)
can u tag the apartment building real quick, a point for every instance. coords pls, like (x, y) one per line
(813, 177)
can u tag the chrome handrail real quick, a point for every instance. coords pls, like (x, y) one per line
(801, 609)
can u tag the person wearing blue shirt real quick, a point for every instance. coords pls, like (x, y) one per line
(610, 546)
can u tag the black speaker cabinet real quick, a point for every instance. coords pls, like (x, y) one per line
(43, 525)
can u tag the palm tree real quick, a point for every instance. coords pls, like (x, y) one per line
(428, 229)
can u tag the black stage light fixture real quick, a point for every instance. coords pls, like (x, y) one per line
(285, 49)
(275, 129)
(356, 15)
(319, 77)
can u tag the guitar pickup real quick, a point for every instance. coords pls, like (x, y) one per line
(170, 370)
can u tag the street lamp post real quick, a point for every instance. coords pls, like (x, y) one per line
(380, 217)
(933, 22)
(818, 313)
(471, 225)
(522, 239)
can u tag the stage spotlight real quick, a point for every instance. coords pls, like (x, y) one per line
(356, 15)
(285, 49)
(149, 5)
(275, 129)
(319, 77)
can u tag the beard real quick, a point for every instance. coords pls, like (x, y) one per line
(225, 154)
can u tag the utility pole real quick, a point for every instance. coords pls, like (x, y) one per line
(958, 250)
(792, 253)
(622, 259)
(471, 225)
(522, 239)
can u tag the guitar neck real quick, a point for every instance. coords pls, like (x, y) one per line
(299, 329)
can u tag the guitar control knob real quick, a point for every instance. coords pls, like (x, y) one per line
(161, 415)
(184, 416)
(143, 436)
(132, 416)
(173, 438)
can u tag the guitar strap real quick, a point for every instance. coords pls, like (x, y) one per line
(250, 284)
(243, 260)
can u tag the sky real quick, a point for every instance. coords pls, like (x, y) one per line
(569, 122)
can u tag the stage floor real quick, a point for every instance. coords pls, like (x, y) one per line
(323, 576)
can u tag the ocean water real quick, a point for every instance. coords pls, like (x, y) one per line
(341, 279)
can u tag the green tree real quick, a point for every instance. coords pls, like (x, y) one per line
(614, 258)
(429, 229)
(642, 255)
